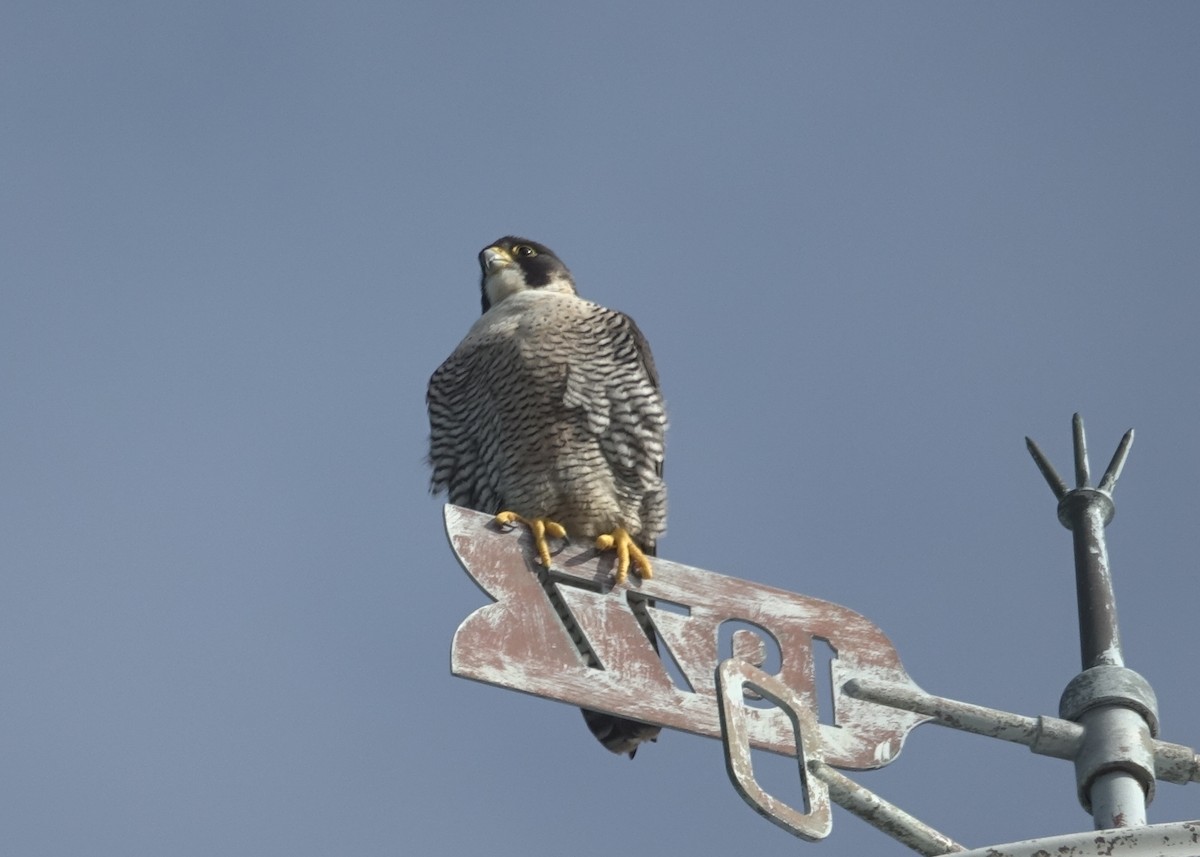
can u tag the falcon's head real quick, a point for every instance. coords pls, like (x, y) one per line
(513, 265)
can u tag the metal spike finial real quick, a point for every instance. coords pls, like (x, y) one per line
(1082, 476)
(1086, 511)
(1108, 482)
(1051, 475)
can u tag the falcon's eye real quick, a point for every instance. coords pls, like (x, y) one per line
(524, 250)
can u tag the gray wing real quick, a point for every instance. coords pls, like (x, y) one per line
(464, 434)
(620, 392)
(637, 444)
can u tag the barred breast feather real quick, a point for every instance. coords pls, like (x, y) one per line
(551, 406)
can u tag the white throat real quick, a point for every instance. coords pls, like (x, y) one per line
(504, 282)
(508, 281)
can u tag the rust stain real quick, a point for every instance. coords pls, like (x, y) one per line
(520, 643)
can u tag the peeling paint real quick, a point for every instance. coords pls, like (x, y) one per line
(1177, 839)
(520, 643)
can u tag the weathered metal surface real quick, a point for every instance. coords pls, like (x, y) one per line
(1109, 685)
(1115, 765)
(735, 678)
(1175, 763)
(1099, 633)
(1086, 511)
(1178, 839)
(1048, 736)
(520, 643)
(881, 814)
(820, 782)
(1114, 771)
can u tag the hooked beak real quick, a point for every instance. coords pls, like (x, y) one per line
(491, 258)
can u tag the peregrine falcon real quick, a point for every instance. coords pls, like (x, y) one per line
(549, 414)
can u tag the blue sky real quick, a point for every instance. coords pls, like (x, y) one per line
(872, 244)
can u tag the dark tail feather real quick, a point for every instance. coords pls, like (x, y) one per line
(619, 734)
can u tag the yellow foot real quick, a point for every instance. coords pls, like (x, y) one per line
(540, 527)
(623, 543)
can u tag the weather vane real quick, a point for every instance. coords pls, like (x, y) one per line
(567, 633)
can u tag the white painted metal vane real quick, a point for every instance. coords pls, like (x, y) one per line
(521, 643)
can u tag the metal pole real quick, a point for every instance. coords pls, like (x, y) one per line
(1114, 768)
(1087, 511)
